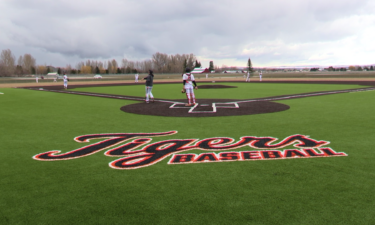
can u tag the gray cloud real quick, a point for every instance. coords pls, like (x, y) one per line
(270, 32)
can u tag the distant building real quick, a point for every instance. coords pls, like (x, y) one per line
(234, 71)
(201, 70)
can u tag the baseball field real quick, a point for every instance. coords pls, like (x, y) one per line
(295, 151)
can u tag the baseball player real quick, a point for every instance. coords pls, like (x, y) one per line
(65, 78)
(136, 78)
(188, 81)
(37, 78)
(260, 76)
(149, 83)
(248, 77)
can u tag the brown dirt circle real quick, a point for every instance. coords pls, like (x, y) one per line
(163, 108)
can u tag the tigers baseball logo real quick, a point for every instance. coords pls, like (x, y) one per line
(136, 150)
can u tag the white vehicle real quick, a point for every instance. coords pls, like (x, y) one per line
(97, 76)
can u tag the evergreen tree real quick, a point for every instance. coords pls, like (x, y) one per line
(211, 66)
(371, 68)
(249, 66)
(58, 70)
(19, 70)
(48, 69)
(97, 70)
(197, 64)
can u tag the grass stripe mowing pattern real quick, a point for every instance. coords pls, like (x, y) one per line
(86, 190)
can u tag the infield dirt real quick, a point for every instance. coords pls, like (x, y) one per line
(206, 107)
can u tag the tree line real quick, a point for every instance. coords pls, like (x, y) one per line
(159, 63)
(350, 68)
(8, 67)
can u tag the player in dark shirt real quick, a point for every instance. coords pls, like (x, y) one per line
(149, 83)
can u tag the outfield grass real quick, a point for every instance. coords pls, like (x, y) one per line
(86, 190)
(89, 78)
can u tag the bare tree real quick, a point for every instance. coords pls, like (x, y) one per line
(124, 64)
(40, 69)
(109, 66)
(68, 69)
(114, 65)
(2, 68)
(86, 70)
(79, 65)
(28, 63)
(160, 61)
(217, 69)
(148, 65)
(191, 60)
(7, 60)
(20, 61)
(19, 70)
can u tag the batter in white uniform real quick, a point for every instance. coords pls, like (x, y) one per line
(188, 81)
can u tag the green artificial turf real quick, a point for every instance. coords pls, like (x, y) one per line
(243, 90)
(335, 190)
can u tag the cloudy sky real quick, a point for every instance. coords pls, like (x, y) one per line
(270, 32)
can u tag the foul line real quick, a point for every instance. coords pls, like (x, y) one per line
(103, 95)
(214, 106)
(307, 95)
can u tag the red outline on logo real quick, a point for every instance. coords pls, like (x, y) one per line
(152, 153)
(96, 147)
(258, 155)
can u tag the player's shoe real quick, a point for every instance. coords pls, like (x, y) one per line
(188, 104)
(152, 100)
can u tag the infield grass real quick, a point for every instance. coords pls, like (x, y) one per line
(242, 90)
(86, 190)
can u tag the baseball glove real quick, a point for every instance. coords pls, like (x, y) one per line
(183, 91)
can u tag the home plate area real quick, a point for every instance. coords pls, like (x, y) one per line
(205, 108)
